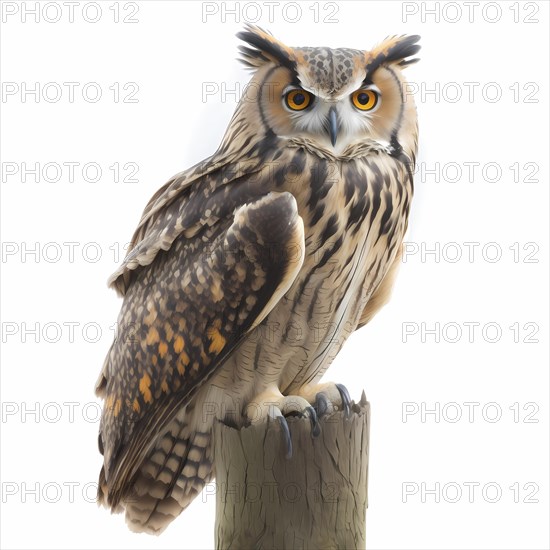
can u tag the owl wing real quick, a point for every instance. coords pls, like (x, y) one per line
(210, 263)
(186, 203)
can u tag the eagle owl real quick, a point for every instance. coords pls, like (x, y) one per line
(248, 271)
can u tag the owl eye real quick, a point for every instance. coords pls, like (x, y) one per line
(365, 100)
(298, 99)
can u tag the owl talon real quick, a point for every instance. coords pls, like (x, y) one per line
(321, 404)
(329, 398)
(315, 427)
(277, 415)
(346, 399)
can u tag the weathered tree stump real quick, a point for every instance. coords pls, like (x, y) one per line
(315, 500)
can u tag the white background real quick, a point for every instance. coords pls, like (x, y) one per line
(170, 53)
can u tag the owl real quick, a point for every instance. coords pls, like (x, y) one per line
(248, 271)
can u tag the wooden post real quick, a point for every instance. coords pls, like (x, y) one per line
(315, 500)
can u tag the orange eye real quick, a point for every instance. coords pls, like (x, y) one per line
(298, 99)
(365, 100)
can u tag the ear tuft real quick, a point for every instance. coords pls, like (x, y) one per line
(265, 48)
(394, 49)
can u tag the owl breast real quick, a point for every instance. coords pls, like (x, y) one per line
(355, 213)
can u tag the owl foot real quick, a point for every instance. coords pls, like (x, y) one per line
(271, 405)
(312, 413)
(328, 398)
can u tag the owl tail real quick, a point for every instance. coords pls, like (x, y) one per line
(173, 473)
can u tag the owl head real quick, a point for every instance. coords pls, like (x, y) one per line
(332, 97)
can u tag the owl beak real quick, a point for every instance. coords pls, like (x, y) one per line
(333, 125)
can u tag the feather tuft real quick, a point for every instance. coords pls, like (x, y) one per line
(394, 49)
(264, 48)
